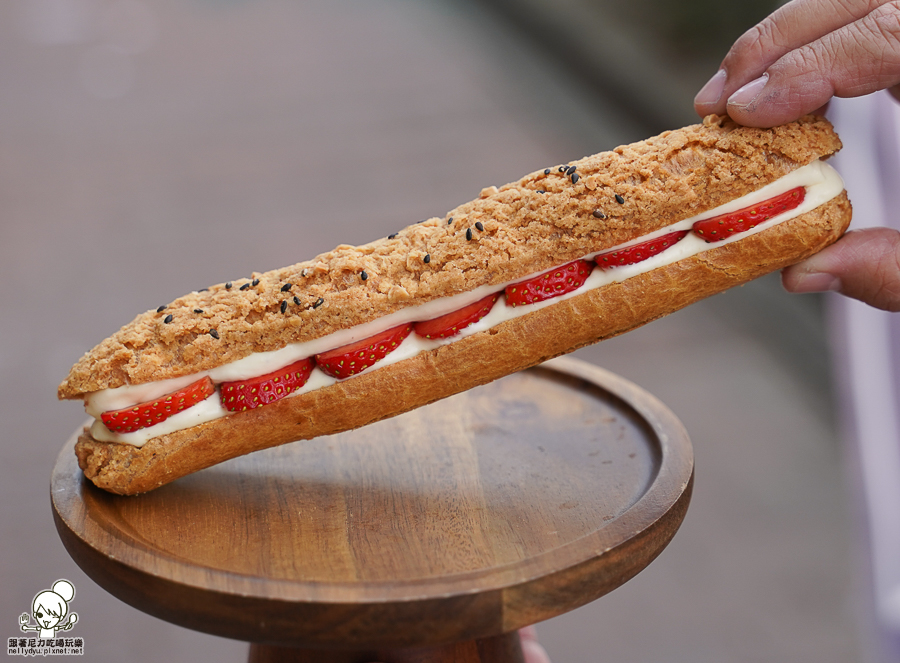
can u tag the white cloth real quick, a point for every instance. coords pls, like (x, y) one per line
(867, 354)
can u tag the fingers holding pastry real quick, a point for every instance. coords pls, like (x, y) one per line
(864, 265)
(801, 56)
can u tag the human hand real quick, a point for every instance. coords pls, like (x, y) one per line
(864, 264)
(532, 652)
(793, 63)
(802, 55)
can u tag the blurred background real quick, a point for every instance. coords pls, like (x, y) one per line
(151, 147)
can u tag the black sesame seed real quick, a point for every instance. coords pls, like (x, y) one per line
(246, 286)
(479, 225)
(599, 215)
(546, 171)
(296, 300)
(363, 275)
(283, 305)
(161, 309)
(450, 220)
(319, 302)
(168, 318)
(203, 290)
(228, 286)
(427, 258)
(468, 233)
(575, 178)
(392, 235)
(619, 199)
(198, 310)
(286, 287)
(571, 169)
(214, 333)
(254, 282)
(562, 169)
(541, 191)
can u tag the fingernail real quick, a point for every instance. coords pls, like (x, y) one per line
(710, 93)
(748, 94)
(815, 282)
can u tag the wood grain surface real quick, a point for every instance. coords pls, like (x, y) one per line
(468, 519)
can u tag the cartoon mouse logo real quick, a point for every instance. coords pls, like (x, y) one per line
(49, 608)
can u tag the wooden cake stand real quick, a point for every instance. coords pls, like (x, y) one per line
(432, 536)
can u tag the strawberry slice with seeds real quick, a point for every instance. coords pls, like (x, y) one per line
(243, 395)
(639, 252)
(453, 323)
(356, 357)
(724, 226)
(158, 410)
(554, 283)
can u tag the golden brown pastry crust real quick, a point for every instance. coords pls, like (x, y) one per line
(662, 180)
(511, 346)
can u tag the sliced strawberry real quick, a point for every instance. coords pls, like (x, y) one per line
(248, 394)
(722, 227)
(453, 323)
(356, 357)
(639, 252)
(153, 412)
(552, 284)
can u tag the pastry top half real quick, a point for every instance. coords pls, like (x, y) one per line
(547, 218)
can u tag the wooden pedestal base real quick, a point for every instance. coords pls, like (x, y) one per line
(500, 649)
(455, 523)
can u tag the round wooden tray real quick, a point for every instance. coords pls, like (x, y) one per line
(494, 509)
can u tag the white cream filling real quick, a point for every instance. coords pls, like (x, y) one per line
(821, 181)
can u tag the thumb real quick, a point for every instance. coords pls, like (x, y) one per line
(863, 264)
